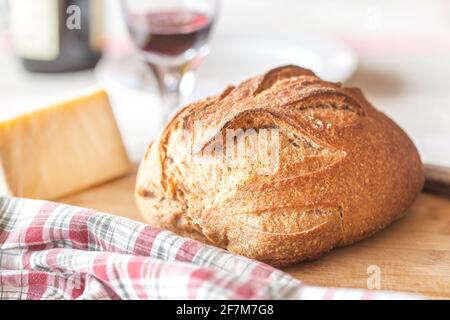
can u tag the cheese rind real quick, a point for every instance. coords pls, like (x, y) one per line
(67, 147)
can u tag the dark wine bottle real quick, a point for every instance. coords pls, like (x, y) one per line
(57, 35)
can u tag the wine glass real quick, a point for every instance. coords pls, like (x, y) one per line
(172, 38)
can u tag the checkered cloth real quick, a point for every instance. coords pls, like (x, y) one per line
(54, 251)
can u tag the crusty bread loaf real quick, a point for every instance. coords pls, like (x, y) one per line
(339, 170)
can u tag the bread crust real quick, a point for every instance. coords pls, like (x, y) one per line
(344, 170)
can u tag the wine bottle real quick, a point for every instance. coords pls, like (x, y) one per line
(56, 35)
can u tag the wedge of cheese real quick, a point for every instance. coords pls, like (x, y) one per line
(61, 149)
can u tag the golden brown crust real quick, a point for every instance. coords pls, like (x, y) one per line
(344, 171)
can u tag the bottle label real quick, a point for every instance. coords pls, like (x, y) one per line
(96, 25)
(35, 29)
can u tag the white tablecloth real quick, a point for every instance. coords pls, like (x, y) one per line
(403, 49)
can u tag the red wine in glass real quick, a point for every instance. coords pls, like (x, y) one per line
(169, 33)
(172, 37)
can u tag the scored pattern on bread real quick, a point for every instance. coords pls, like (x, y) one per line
(308, 155)
(287, 220)
(328, 169)
(286, 98)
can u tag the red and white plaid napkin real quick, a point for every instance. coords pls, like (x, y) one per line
(55, 251)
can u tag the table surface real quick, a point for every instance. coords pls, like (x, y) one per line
(412, 255)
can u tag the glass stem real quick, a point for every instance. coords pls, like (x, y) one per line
(170, 83)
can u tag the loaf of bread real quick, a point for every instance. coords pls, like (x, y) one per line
(281, 168)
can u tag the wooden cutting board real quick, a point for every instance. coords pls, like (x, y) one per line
(412, 255)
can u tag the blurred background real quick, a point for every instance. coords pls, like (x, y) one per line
(398, 52)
